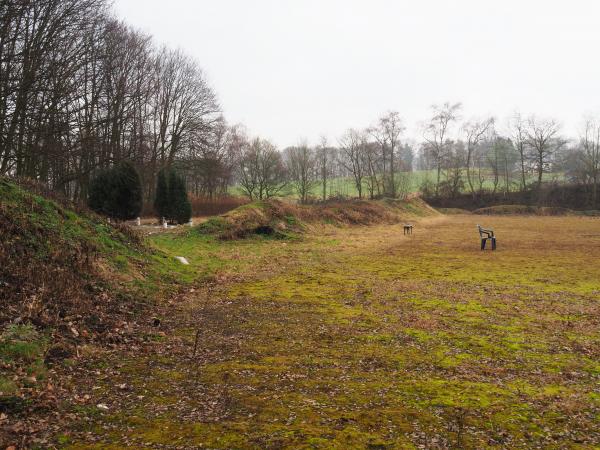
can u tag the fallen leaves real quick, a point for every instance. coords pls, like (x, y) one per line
(380, 340)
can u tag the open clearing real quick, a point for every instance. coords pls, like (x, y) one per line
(360, 337)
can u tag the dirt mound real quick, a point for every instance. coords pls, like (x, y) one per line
(271, 217)
(525, 210)
(282, 219)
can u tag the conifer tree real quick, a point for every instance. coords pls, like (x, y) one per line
(181, 207)
(128, 199)
(161, 200)
(171, 200)
(117, 192)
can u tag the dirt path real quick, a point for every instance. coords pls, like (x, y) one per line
(366, 338)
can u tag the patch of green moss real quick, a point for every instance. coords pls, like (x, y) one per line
(214, 225)
(361, 339)
(7, 386)
(21, 343)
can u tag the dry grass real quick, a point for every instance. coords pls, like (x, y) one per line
(205, 206)
(283, 219)
(360, 337)
(52, 258)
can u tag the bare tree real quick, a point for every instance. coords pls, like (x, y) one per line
(544, 141)
(301, 164)
(519, 139)
(387, 134)
(590, 155)
(475, 132)
(80, 91)
(454, 164)
(210, 159)
(373, 168)
(261, 171)
(436, 135)
(507, 159)
(494, 161)
(184, 105)
(42, 49)
(352, 151)
(324, 159)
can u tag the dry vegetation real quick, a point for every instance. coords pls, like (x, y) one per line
(65, 267)
(283, 219)
(205, 206)
(67, 279)
(526, 210)
(360, 337)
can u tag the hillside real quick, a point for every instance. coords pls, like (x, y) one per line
(68, 279)
(60, 263)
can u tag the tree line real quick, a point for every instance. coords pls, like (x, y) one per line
(373, 160)
(480, 156)
(475, 157)
(82, 92)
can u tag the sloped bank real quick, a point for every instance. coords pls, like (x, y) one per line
(282, 219)
(60, 264)
(68, 280)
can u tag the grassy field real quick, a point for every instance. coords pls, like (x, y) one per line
(346, 187)
(360, 337)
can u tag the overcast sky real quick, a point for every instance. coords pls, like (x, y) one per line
(293, 69)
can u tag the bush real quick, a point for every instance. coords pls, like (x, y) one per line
(427, 188)
(117, 192)
(171, 200)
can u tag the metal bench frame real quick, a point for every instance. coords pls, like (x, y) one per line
(485, 234)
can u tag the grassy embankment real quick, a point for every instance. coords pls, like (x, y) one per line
(68, 280)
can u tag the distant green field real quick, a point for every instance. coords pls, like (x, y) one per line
(345, 186)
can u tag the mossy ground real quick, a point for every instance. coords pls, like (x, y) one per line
(361, 337)
(22, 350)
